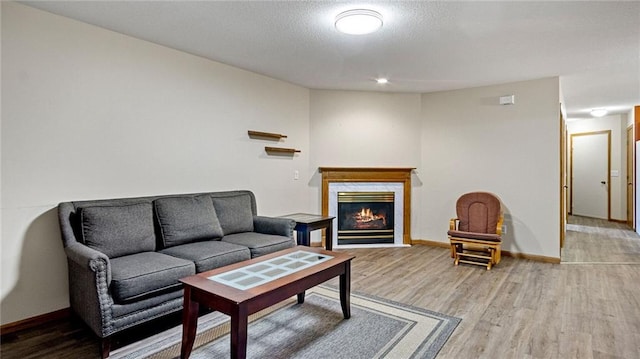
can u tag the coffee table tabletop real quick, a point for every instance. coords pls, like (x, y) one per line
(244, 288)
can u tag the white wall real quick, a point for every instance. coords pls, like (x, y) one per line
(470, 142)
(88, 113)
(364, 129)
(437, 133)
(617, 124)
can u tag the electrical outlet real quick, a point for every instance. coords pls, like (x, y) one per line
(504, 229)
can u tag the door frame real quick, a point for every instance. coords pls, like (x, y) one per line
(631, 183)
(563, 180)
(604, 132)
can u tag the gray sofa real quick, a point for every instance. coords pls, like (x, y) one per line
(125, 256)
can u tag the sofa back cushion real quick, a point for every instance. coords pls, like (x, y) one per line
(187, 219)
(118, 230)
(235, 213)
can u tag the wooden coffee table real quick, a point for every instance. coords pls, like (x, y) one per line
(244, 288)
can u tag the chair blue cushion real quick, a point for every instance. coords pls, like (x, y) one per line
(187, 219)
(208, 255)
(260, 244)
(118, 230)
(234, 213)
(140, 275)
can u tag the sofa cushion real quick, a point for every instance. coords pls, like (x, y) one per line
(234, 213)
(137, 276)
(260, 244)
(473, 235)
(171, 301)
(210, 254)
(118, 230)
(187, 219)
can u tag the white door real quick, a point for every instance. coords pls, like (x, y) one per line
(590, 174)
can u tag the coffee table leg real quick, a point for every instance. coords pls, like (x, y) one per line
(300, 298)
(345, 290)
(239, 319)
(189, 324)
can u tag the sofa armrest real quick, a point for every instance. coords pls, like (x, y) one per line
(89, 259)
(274, 225)
(89, 278)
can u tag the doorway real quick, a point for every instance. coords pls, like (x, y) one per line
(590, 174)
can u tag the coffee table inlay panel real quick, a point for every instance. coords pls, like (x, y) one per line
(274, 268)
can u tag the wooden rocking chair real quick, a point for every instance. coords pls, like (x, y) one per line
(475, 235)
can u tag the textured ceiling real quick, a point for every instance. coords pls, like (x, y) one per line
(594, 47)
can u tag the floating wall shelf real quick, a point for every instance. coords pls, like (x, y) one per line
(281, 151)
(273, 137)
(266, 135)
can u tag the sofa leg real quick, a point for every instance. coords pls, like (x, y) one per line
(105, 347)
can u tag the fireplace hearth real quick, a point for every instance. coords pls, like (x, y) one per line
(365, 217)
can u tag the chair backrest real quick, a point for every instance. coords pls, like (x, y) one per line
(478, 212)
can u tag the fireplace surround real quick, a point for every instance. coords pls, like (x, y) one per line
(359, 183)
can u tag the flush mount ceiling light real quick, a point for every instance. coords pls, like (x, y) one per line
(382, 81)
(358, 22)
(598, 112)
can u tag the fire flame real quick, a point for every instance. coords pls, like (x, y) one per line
(366, 215)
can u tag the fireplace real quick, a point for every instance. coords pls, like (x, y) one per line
(365, 217)
(361, 225)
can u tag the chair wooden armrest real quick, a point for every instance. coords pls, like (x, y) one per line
(499, 225)
(452, 224)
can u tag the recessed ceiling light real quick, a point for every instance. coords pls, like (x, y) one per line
(382, 81)
(598, 112)
(358, 22)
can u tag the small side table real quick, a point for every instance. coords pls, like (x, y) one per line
(305, 223)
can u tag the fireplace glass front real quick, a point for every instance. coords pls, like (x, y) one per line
(365, 217)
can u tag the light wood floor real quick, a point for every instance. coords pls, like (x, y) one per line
(592, 240)
(519, 309)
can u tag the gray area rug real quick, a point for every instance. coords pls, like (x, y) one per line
(377, 328)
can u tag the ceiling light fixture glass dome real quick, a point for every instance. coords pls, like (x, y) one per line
(598, 112)
(358, 22)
